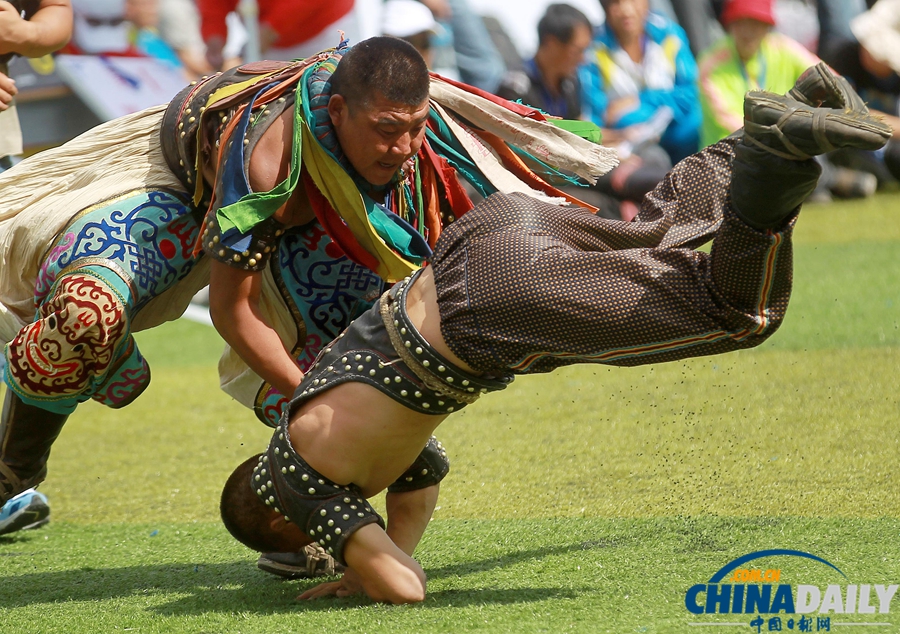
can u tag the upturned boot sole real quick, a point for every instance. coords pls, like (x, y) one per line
(819, 87)
(793, 130)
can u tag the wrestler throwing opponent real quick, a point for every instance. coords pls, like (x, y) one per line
(519, 286)
(313, 182)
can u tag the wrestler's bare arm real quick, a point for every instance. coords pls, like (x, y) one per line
(48, 29)
(235, 311)
(234, 294)
(408, 516)
(377, 567)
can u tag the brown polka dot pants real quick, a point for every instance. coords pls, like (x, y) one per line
(527, 286)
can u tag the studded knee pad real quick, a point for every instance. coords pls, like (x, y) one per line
(429, 468)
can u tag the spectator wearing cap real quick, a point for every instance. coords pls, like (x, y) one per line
(870, 60)
(750, 56)
(753, 56)
(411, 21)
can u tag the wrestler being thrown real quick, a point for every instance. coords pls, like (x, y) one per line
(519, 286)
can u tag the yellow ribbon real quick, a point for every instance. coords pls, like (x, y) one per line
(345, 197)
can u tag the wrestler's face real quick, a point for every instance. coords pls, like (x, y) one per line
(380, 136)
(626, 17)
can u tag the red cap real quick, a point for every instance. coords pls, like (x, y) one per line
(755, 9)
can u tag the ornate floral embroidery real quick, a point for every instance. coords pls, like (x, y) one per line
(138, 233)
(109, 262)
(72, 342)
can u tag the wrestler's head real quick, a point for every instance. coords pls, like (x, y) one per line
(73, 340)
(379, 105)
(251, 522)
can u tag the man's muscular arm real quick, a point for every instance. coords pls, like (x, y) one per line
(48, 29)
(377, 567)
(234, 294)
(234, 308)
(408, 516)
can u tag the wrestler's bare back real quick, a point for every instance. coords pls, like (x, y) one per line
(354, 433)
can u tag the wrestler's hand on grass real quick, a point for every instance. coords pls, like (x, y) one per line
(349, 585)
(377, 568)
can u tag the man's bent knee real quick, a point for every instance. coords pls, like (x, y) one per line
(386, 572)
(60, 358)
(410, 588)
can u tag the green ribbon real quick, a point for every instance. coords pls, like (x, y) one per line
(585, 129)
(256, 207)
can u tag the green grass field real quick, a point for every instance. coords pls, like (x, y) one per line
(589, 500)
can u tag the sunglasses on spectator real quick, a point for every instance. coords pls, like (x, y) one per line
(104, 21)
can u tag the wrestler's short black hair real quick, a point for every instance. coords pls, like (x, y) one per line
(559, 21)
(244, 514)
(381, 65)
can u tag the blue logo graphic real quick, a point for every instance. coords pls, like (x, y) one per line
(737, 588)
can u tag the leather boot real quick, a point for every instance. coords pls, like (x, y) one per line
(26, 435)
(766, 189)
(819, 87)
(793, 130)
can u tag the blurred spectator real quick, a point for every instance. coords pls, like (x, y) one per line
(834, 22)
(870, 60)
(549, 80)
(640, 82)
(126, 28)
(179, 26)
(474, 54)
(750, 57)
(143, 19)
(47, 28)
(288, 29)
(411, 21)
(698, 19)
(100, 28)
